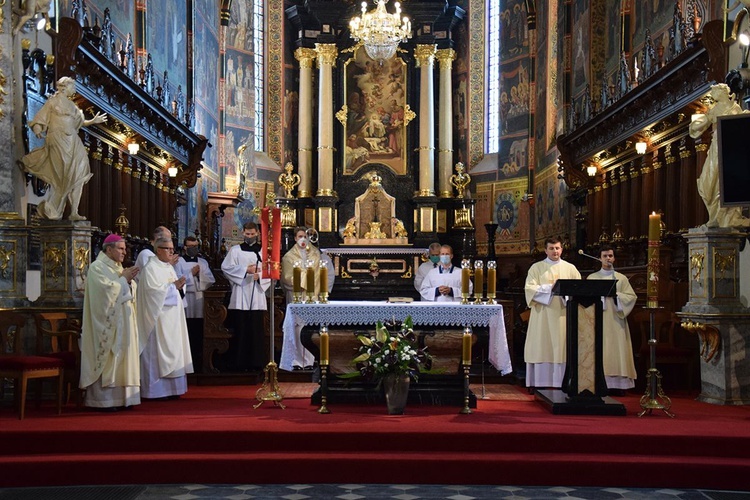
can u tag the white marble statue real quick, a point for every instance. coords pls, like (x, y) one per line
(708, 182)
(30, 8)
(62, 161)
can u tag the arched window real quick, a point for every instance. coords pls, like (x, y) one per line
(492, 142)
(259, 67)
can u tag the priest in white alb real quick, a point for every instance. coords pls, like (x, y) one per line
(164, 343)
(619, 365)
(544, 351)
(110, 371)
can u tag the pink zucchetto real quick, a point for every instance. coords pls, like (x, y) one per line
(112, 238)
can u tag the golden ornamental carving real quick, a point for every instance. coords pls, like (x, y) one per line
(671, 159)
(81, 259)
(288, 217)
(657, 165)
(375, 232)
(710, 338)
(445, 57)
(424, 54)
(463, 218)
(696, 265)
(289, 180)
(327, 53)
(53, 259)
(344, 274)
(3, 81)
(407, 275)
(122, 223)
(341, 115)
(6, 257)
(353, 48)
(460, 180)
(409, 115)
(350, 231)
(305, 56)
(723, 263)
(2, 19)
(684, 153)
(701, 147)
(399, 231)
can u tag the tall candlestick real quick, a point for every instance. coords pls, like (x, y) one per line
(310, 281)
(323, 277)
(466, 346)
(491, 281)
(297, 279)
(654, 235)
(479, 281)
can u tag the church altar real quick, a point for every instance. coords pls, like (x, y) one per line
(423, 314)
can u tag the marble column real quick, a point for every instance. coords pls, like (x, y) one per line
(306, 58)
(715, 312)
(327, 53)
(445, 126)
(425, 57)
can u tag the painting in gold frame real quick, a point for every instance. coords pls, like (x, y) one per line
(375, 102)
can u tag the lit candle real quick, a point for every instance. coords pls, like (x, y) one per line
(654, 226)
(491, 278)
(465, 276)
(652, 266)
(297, 278)
(310, 279)
(323, 277)
(323, 345)
(466, 344)
(478, 280)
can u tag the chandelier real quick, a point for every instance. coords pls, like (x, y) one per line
(379, 31)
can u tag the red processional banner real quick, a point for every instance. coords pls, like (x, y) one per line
(271, 248)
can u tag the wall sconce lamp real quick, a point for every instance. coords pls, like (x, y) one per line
(640, 147)
(172, 171)
(591, 170)
(133, 147)
(744, 47)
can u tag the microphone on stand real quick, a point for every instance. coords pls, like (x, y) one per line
(580, 252)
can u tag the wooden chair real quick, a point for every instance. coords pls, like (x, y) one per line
(57, 336)
(22, 368)
(668, 351)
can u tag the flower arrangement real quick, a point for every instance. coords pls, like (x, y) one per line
(391, 351)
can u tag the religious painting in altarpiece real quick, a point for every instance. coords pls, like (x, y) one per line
(375, 103)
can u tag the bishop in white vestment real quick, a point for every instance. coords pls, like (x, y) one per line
(110, 371)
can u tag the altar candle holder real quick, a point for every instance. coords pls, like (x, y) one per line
(324, 362)
(478, 282)
(323, 274)
(466, 340)
(310, 282)
(465, 280)
(491, 281)
(297, 282)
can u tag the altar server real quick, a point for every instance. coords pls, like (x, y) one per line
(433, 259)
(619, 365)
(109, 336)
(443, 283)
(242, 267)
(164, 343)
(198, 278)
(545, 337)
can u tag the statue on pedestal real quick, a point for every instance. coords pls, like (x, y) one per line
(62, 161)
(460, 180)
(288, 180)
(708, 182)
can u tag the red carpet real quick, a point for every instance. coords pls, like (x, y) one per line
(213, 435)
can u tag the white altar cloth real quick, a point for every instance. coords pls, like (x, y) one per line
(422, 313)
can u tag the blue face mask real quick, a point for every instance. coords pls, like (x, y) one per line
(445, 259)
(434, 259)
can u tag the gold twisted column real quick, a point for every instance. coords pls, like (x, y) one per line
(445, 124)
(306, 58)
(425, 57)
(327, 53)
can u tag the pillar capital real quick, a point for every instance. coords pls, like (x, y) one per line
(445, 57)
(425, 54)
(305, 56)
(327, 53)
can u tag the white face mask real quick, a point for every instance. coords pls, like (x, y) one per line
(302, 242)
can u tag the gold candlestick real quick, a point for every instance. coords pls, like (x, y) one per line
(297, 282)
(465, 280)
(324, 360)
(323, 274)
(491, 281)
(478, 281)
(310, 282)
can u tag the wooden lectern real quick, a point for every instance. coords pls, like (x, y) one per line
(584, 388)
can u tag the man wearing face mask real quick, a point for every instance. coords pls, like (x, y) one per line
(443, 283)
(198, 278)
(242, 267)
(303, 252)
(425, 267)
